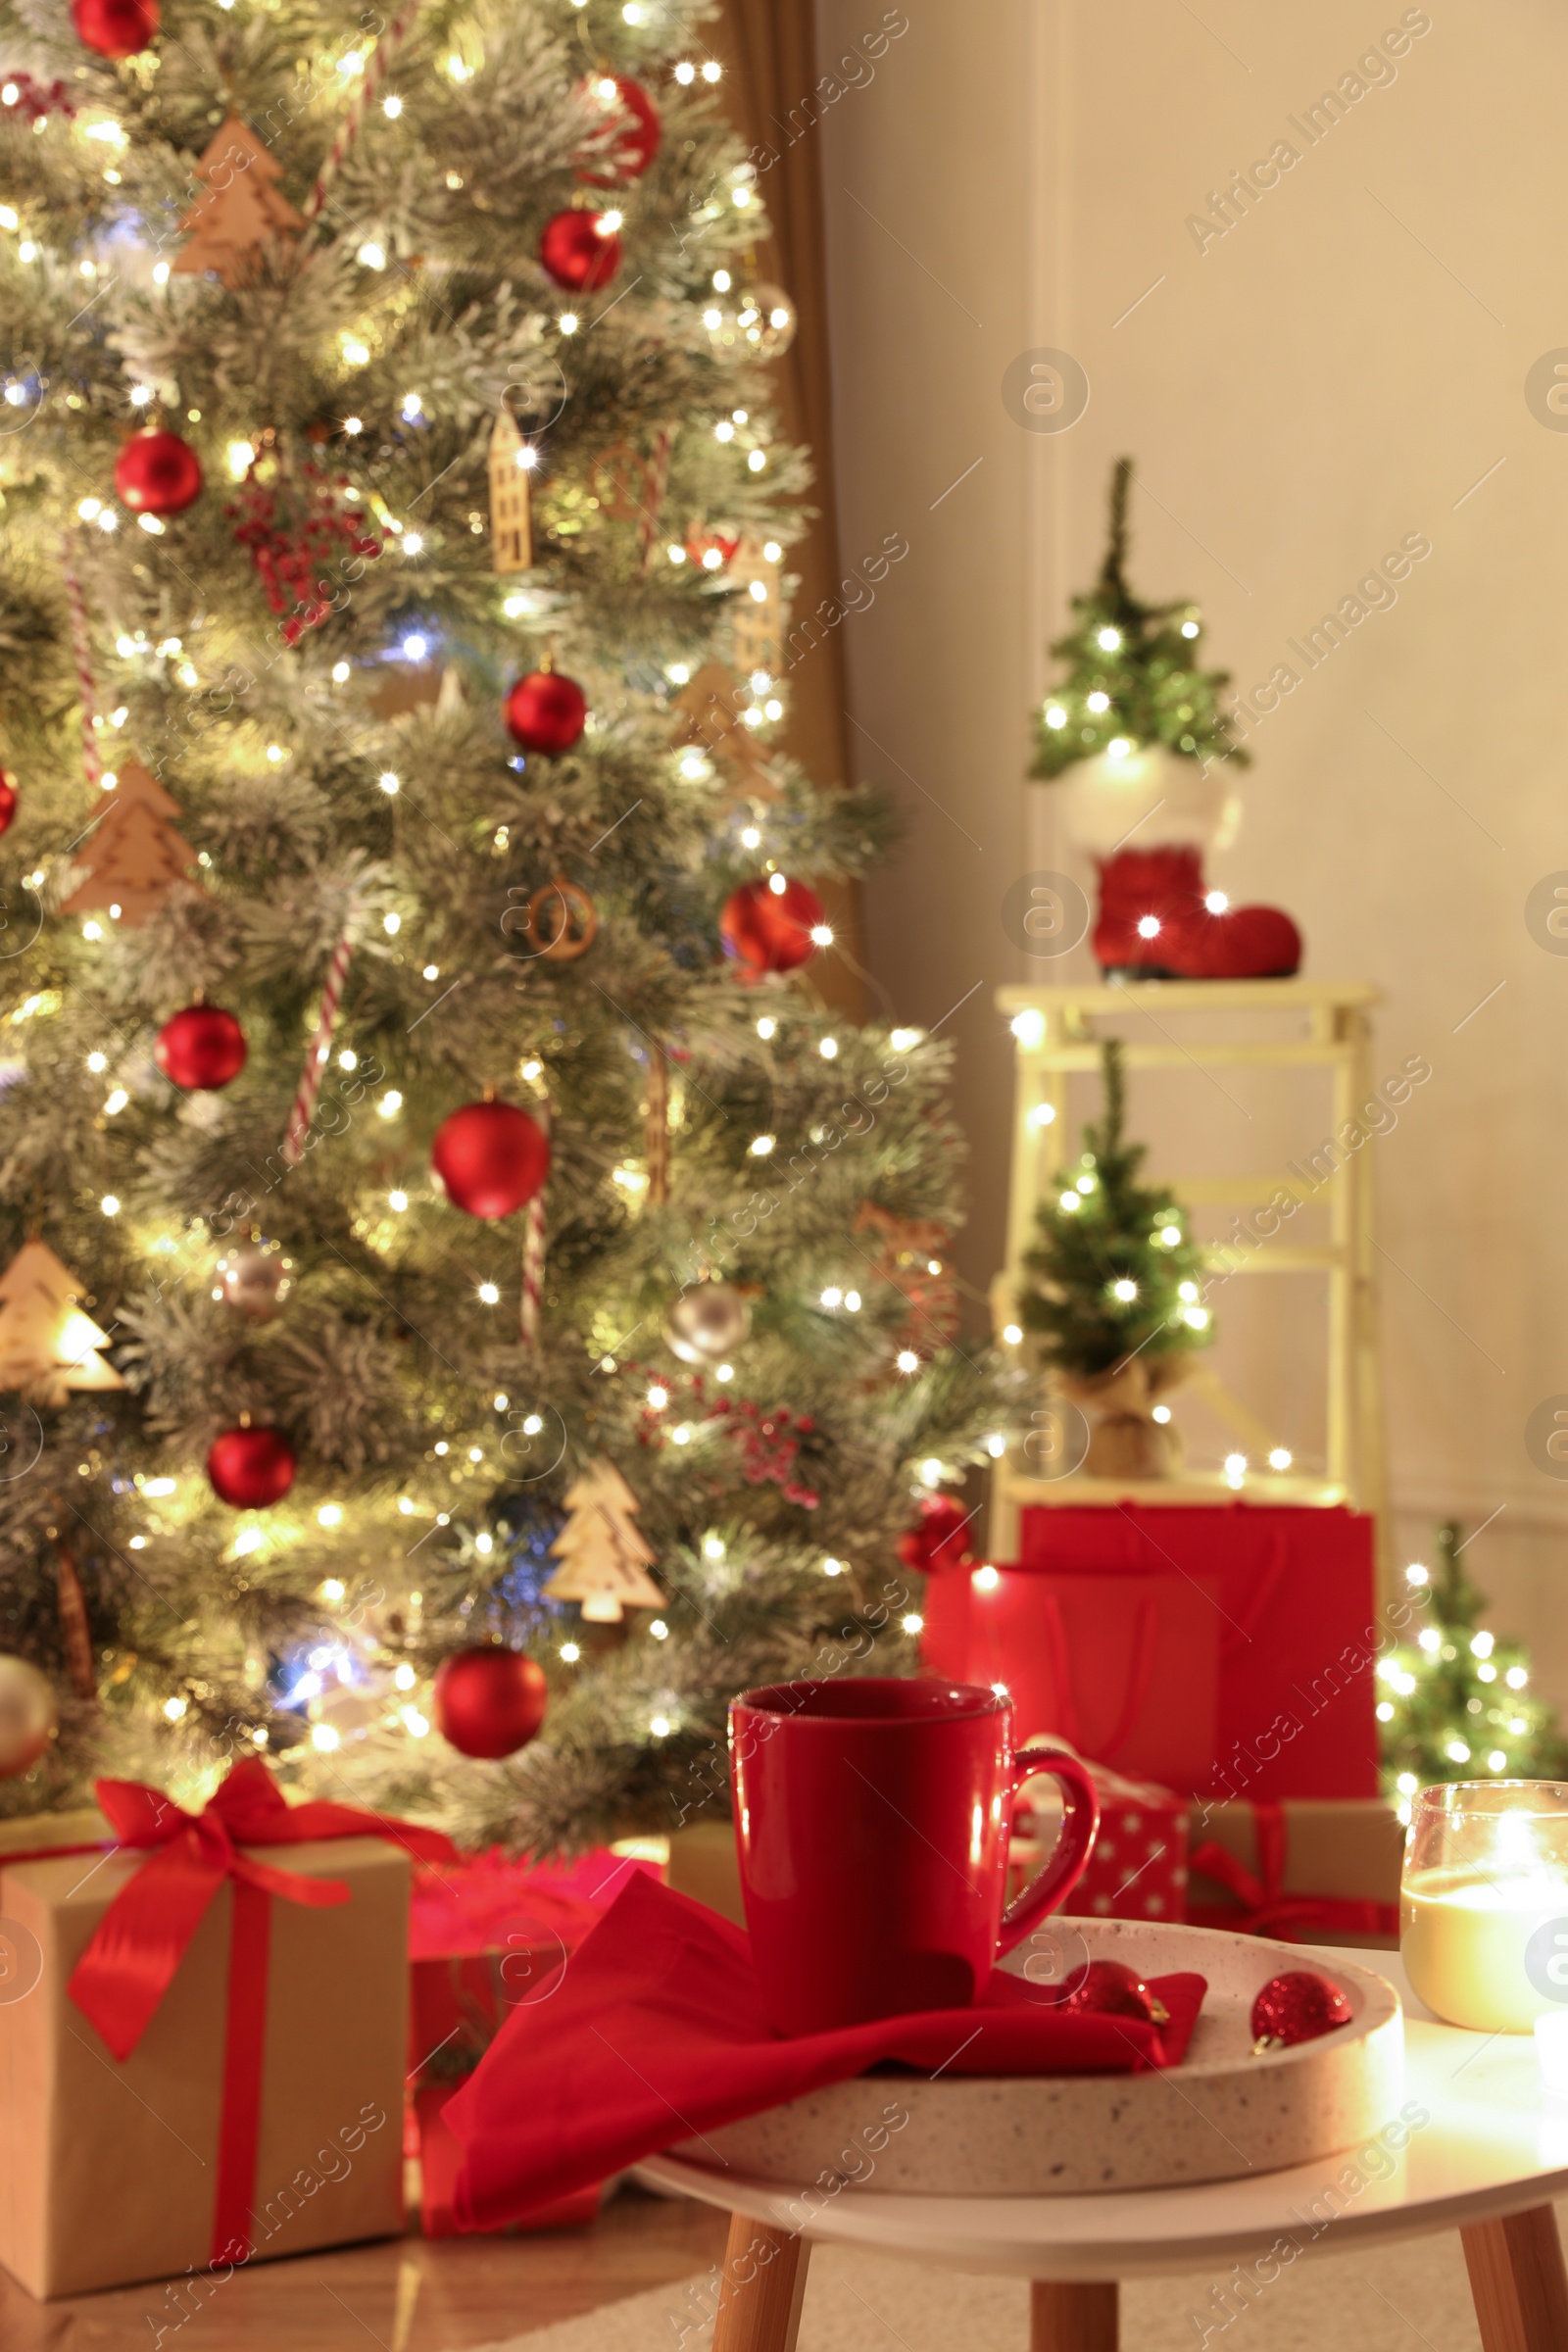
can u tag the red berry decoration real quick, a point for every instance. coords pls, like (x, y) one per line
(490, 1158)
(8, 801)
(251, 1468)
(578, 252)
(940, 1538)
(635, 144)
(1109, 1989)
(115, 28)
(1298, 2006)
(201, 1047)
(545, 713)
(158, 473)
(489, 1701)
(767, 925)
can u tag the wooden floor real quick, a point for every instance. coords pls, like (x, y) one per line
(413, 2294)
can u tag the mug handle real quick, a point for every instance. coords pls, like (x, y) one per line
(1079, 1826)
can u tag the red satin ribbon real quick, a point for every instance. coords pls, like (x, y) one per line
(1264, 1904)
(138, 1947)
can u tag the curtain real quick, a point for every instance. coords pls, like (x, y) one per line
(771, 61)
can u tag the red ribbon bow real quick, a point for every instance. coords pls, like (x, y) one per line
(1266, 1906)
(147, 1930)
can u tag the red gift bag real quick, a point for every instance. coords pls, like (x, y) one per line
(1298, 1632)
(1125, 1668)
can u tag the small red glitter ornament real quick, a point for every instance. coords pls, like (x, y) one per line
(636, 142)
(202, 1048)
(1109, 1989)
(158, 473)
(489, 1701)
(251, 1468)
(545, 713)
(940, 1538)
(115, 28)
(768, 924)
(490, 1158)
(1298, 2006)
(580, 252)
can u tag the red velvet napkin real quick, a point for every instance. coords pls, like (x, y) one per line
(652, 2031)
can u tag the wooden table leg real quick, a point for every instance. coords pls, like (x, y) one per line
(760, 2295)
(1518, 2282)
(1076, 2317)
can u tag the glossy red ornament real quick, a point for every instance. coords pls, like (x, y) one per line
(1298, 2006)
(158, 473)
(8, 801)
(115, 28)
(251, 1468)
(491, 1157)
(636, 142)
(489, 1701)
(202, 1046)
(939, 1537)
(1109, 1989)
(768, 924)
(545, 713)
(577, 253)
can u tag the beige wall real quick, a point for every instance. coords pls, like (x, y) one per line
(1342, 368)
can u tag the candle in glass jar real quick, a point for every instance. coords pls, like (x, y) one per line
(1464, 1936)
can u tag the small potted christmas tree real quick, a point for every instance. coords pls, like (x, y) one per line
(1150, 757)
(1116, 1296)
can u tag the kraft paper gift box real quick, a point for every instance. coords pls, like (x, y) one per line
(112, 2169)
(1318, 1871)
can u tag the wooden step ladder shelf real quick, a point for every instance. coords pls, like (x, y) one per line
(1315, 1025)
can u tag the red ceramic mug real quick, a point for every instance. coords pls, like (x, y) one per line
(872, 1816)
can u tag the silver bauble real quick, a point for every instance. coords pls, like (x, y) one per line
(707, 1322)
(254, 1279)
(29, 1715)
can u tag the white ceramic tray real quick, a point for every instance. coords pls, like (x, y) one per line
(1221, 2115)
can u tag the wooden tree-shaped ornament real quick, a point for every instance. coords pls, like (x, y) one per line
(242, 218)
(134, 855)
(48, 1346)
(711, 718)
(511, 502)
(603, 1559)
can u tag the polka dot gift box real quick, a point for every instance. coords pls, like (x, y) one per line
(1137, 1869)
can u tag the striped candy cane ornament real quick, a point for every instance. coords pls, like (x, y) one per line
(533, 1249)
(370, 82)
(299, 1118)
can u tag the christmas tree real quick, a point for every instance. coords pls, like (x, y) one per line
(1455, 1704)
(1116, 1291)
(1131, 676)
(390, 1185)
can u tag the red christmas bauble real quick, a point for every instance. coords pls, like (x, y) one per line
(545, 713)
(939, 1538)
(202, 1046)
(251, 1468)
(1298, 2006)
(115, 28)
(1109, 1989)
(158, 473)
(491, 1157)
(8, 800)
(489, 1701)
(636, 143)
(768, 924)
(1249, 943)
(577, 253)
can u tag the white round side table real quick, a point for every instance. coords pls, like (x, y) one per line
(1491, 2153)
